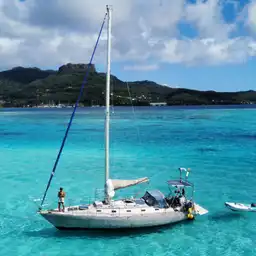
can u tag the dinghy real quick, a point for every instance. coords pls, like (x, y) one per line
(239, 207)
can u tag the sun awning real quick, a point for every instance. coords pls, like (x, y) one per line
(179, 183)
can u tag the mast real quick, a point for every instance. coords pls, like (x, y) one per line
(107, 118)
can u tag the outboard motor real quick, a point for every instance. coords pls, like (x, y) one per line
(253, 205)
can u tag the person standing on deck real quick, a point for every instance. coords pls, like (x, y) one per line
(61, 196)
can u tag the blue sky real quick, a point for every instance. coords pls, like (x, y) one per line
(234, 77)
(199, 44)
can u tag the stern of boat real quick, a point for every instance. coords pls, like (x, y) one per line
(199, 210)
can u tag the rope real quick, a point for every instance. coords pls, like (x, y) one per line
(73, 114)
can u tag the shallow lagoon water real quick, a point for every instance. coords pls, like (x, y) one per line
(218, 144)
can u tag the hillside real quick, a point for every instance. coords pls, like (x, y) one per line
(31, 86)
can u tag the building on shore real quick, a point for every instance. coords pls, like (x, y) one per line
(157, 104)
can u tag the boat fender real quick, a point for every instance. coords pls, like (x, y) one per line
(190, 216)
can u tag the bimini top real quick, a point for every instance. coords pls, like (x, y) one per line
(180, 183)
(155, 198)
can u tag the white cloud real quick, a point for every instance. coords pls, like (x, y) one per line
(50, 33)
(252, 15)
(142, 67)
(208, 18)
(171, 86)
(208, 51)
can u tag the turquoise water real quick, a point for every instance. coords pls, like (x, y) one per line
(219, 145)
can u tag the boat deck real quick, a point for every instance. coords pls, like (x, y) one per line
(115, 208)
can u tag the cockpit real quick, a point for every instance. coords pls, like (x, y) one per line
(177, 196)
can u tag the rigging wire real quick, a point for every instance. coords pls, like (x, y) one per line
(112, 94)
(133, 110)
(112, 113)
(73, 113)
(137, 128)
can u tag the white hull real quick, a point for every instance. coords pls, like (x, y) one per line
(239, 207)
(117, 215)
(69, 221)
(113, 218)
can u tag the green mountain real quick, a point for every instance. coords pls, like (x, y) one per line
(31, 86)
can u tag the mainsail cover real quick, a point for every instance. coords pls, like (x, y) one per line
(118, 184)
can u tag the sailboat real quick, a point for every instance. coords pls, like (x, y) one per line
(152, 209)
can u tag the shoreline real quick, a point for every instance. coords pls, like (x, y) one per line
(128, 106)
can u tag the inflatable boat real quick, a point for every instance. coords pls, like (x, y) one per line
(239, 207)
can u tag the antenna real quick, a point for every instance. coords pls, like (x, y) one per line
(186, 170)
